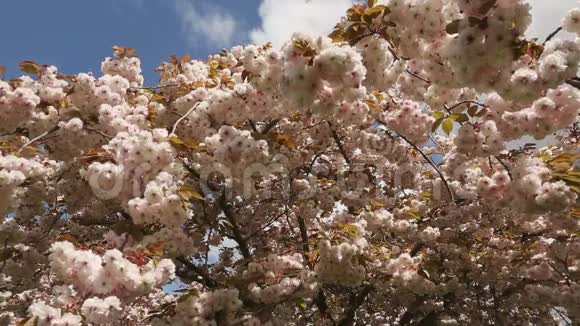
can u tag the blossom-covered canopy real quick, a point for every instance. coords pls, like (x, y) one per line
(376, 176)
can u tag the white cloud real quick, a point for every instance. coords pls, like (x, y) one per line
(207, 23)
(281, 18)
(547, 16)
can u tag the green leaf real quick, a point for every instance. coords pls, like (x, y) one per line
(414, 214)
(337, 36)
(436, 125)
(453, 27)
(186, 192)
(459, 117)
(438, 115)
(374, 11)
(462, 118)
(447, 125)
(472, 110)
(371, 3)
(301, 303)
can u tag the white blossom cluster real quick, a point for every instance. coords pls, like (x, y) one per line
(410, 121)
(50, 316)
(101, 311)
(111, 274)
(283, 277)
(236, 148)
(338, 264)
(138, 156)
(531, 190)
(160, 203)
(16, 106)
(203, 309)
(101, 174)
(404, 271)
(15, 172)
(127, 67)
(571, 22)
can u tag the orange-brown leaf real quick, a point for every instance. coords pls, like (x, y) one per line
(30, 67)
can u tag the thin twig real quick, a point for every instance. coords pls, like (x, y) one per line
(269, 126)
(552, 35)
(356, 301)
(183, 117)
(465, 102)
(428, 159)
(4, 252)
(504, 166)
(99, 132)
(417, 76)
(338, 142)
(253, 125)
(37, 138)
(316, 156)
(157, 87)
(207, 280)
(436, 143)
(238, 237)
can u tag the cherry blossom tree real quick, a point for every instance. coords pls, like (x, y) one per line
(372, 177)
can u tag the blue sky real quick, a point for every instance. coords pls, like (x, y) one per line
(77, 35)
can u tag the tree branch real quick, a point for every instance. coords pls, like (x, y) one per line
(552, 35)
(504, 166)
(304, 237)
(238, 237)
(270, 126)
(465, 102)
(355, 303)
(99, 132)
(428, 159)
(253, 125)
(37, 138)
(207, 280)
(417, 76)
(183, 117)
(338, 142)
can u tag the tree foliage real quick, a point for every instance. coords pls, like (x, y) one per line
(371, 177)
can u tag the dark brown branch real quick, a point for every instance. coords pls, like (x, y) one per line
(338, 142)
(270, 126)
(552, 35)
(575, 82)
(206, 279)
(320, 302)
(99, 132)
(417, 76)
(505, 167)
(37, 138)
(415, 250)
(356, 302)
(238, 237)
(465, 102)
(304, 237)
(253, 125)
(429, 160)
